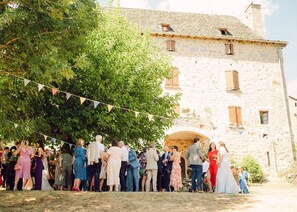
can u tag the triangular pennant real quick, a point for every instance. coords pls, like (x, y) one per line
(54, 140)
(136, 114)
(70, 145)
(82, 99)
(96, 104)
(109, 107)
(201, 126)
(68, 95)
(26, 81)
(240, 132)
(150, 117)
(54, 91)
(45, 137)
(40, 86)
(16, 125)
(62, 143)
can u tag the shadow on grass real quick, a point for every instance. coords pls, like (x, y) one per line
(122, 201)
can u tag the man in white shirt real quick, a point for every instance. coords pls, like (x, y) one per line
(123, 166)
(96, 153)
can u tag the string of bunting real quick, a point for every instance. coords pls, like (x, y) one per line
(83, 99)
(46, 137)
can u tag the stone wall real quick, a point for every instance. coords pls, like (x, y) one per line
(202, 82)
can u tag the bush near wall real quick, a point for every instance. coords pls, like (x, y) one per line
(254, 168)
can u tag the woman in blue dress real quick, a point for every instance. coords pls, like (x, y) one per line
(79, 164)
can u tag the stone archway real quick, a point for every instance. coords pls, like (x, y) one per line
(184, 139)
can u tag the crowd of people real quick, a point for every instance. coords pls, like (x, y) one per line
(92, 167)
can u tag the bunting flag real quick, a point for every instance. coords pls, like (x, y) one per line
(54, 91)
(150, 117)
(82, 99)
(54, 140)
(70, 145)
(68, 95)
(96, 104)
(201, 126)
(264, 135)
(26, 81)
(62, 143)
(16, 125)
(40, 86)
(253, 133)
(45, 137)
(109, 107)
(240, 132)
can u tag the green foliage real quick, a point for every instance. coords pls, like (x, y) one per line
(113, 63)
(254, 168)
(41, 39)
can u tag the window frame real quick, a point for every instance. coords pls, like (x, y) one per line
(262, 118)
(173, 81)
(236, 116)
(170, 45)
(229, 49)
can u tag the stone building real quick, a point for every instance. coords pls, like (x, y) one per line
(232, 83)
(293, 112)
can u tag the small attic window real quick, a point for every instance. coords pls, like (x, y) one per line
(166, 28)
(224, 31)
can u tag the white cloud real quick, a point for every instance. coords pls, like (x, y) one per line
(292, 88)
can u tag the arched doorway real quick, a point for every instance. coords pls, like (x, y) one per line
(184, 139)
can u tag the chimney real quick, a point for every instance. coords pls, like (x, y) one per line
(253, 15)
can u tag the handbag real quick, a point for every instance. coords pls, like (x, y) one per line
(17, 166)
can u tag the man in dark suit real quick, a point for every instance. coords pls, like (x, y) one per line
(167, 167)
(195, 157)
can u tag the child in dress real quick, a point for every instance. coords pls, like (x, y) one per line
(243, 181)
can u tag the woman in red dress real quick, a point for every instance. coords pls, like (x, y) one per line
(213, 167)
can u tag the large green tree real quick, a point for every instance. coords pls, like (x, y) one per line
(114, 64)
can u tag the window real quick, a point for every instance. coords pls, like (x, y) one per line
(224, 31)
(232, 81)
(295, 104)
(165, 27)
(264, 117)
(235, 118)
(177, 109)
(173, 80)
(170, 45)
(229, 50)
(268, 158)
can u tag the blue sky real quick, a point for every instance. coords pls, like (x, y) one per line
(280, 20)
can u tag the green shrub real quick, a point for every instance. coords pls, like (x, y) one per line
(254, 168)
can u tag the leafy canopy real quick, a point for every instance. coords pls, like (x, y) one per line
(107, 60)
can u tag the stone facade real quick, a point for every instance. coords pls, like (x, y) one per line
(293, 113)
(202, 62)
(202, 82)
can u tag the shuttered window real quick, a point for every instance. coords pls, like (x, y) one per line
(232, 80)
(235, 117)
(229, 49)
(264, 117)
(177, 109)
(170, 45)
(173, 81)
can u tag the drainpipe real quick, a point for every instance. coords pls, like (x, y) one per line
(281, 62)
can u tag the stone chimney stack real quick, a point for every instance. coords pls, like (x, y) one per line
(254, 20)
